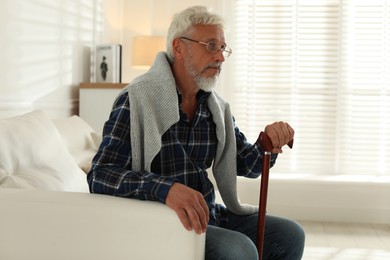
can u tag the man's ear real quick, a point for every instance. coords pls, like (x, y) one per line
(178, 50)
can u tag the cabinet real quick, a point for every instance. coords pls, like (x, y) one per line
(96, 100)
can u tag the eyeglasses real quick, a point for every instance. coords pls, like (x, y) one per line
(213, 47)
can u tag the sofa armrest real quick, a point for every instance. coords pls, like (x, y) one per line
(67, 225)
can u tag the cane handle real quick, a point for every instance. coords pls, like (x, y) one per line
(266, 144)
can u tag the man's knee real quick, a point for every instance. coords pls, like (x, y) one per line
(285, 239)
(241, 248)
(231, 245)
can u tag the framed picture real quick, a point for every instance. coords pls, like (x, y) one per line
(108, 63)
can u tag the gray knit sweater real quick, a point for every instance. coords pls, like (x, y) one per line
(154, 109)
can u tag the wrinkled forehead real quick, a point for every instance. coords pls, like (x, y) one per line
(207, 32)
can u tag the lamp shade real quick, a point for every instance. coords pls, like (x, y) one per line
(145, 49)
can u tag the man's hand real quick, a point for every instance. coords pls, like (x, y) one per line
(190, 207)
(280, 134)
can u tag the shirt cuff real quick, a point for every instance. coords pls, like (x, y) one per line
(162, 187)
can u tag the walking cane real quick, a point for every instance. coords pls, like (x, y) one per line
(266, 144)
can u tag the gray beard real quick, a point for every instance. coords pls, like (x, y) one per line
(206, 84)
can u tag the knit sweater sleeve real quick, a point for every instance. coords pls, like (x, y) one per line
(112, 172)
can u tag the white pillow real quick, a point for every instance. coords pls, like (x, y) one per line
(33, 156)
(79, 138)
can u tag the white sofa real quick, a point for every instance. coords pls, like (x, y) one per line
(46, 211)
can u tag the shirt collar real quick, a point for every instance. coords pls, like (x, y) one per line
(201, 96)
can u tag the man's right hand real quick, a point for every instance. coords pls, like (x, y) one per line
(190, 207)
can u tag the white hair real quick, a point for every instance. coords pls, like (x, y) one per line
(183, 22)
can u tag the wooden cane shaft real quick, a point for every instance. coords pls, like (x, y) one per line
(265, 142)
(263, 203)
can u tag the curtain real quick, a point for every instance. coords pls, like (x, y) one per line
(324, 67)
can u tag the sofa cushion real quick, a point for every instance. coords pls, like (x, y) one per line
(33, 156)
(79, 137)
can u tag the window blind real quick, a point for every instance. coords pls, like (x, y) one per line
(47, 45)
(324, 67)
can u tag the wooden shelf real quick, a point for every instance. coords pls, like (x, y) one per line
(103, 85)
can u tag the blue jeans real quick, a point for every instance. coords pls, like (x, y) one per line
(283, 239)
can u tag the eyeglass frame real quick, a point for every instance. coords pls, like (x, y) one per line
(224, 49)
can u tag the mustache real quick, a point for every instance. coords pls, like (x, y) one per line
(217, 66)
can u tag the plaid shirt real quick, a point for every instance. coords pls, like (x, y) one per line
(187, 151)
